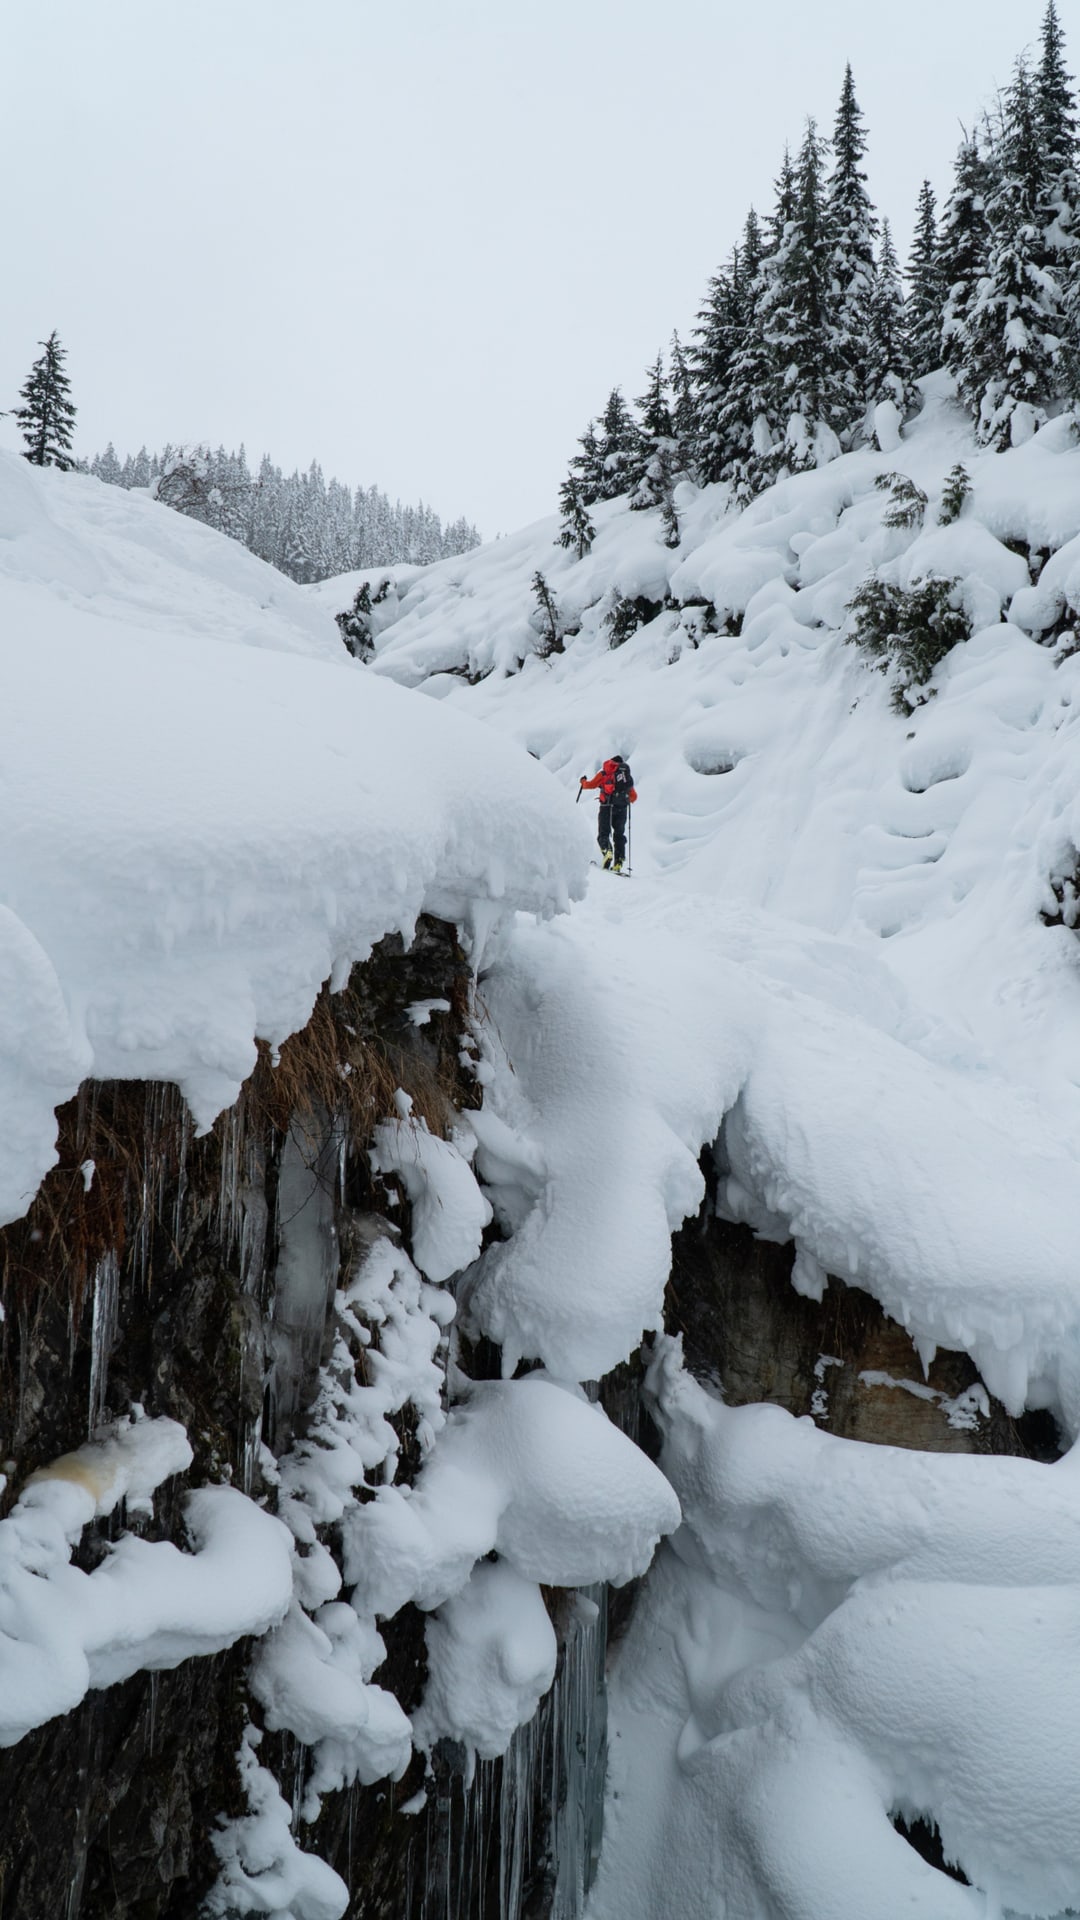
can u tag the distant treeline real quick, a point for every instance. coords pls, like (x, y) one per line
(308, 527)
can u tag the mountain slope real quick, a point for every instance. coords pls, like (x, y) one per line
(834, 961)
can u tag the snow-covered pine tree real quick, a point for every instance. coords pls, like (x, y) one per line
(654, 453)
(577, 529)
(1055, 109)
(926, 289)
(587, 465)
(684, 416)
(1060, 198)
(106, 466)
(296, 556)
(1012, 363)
(714, 349)
(459, 537)
(852, 231)
(265, 524)
(795, 319)
(888, 356)
(46, 418)
(618, 447)
(963, 249)
(338, 542)
(744, 423)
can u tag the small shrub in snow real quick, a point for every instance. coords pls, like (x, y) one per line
(907, 503)
(956, 491)
(1064, 884)
(354, 625)
(911, 630)
(626, 614)
(546, 617)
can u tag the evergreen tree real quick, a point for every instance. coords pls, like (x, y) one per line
(1012, 360)
(107, 467)
(1055, 110)
(618, 448)
(743, 428)
(715, 349)
(265, 522)
(1060, 197)
(926, 289)
(577, 529)
(653, 469)
(785, 204)
(852, 226)
(954, 493)
(888, 350)
(588, 465)
(963, 250)
(684, 415)
(47, 418)
(795, 324)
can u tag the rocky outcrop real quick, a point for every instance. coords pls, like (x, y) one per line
(840, 1360)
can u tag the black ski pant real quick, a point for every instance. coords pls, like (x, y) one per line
(611, 820)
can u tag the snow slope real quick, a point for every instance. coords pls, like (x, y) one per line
(832, 960)
(777, 780)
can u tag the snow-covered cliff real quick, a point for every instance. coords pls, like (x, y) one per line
(846, 959)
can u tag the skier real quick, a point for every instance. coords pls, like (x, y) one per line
(616, 785)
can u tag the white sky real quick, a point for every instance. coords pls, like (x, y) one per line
(421, 240)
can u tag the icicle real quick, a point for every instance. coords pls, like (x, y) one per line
(102, 1334)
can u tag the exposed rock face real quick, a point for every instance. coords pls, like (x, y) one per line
(160, 1276)
(841, 1361)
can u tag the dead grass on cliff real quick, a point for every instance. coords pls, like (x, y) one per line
(332, 1067)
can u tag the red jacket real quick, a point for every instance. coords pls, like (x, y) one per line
(606, 777)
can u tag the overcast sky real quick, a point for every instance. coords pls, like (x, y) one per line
(421, 240)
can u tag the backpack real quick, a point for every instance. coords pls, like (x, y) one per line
(617, 780)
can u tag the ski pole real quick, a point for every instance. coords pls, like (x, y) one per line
(580, 790)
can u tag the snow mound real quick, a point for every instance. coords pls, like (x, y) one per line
(148, 1605)
(237, 824)
(491, 1658)
(843, 1634)
(524, 1468)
